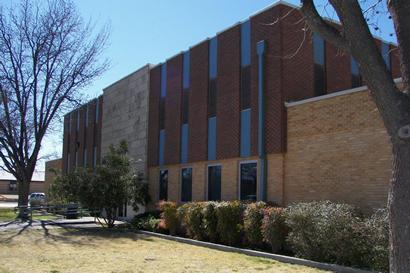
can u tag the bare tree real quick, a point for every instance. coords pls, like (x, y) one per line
(47, 55)
(354, 37)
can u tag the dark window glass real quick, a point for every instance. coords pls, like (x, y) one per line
(245, 87)
(161, 147)
(213, 58)
(186, 67)
(248, 181)
(319, 60)
(246, 43)
(246, 132)
(386, 54)
(356, 77)
(186, 185)
(212, 138)
(184, 143)
(163, 185)
(214, 183)
(185, 106)
(212, 98)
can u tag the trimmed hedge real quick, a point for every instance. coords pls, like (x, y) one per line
(320, 231)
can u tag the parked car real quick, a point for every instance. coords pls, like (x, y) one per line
(37, 199)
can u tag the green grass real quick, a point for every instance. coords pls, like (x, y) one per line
(8, 214)
(102, 250)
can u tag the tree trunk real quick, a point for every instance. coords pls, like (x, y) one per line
(399, 207)
(23, 190)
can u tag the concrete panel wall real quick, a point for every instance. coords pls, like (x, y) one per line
(125, 116)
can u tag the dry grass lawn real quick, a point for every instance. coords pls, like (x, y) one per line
(62, 250)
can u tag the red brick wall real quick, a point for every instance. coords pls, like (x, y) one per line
(173, 110)
(274, 128)
(153, 122)
(198, 102)
(338, 72)
(228, 95)
(395, 62)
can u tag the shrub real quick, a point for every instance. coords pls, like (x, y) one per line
(327, 232)
(230, 222)
(274, 229)
(169, 215)
(376, 233)
(194, 221)
(148, 223)
(252, 222)
(210, 221)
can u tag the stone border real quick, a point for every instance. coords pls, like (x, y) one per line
(280, 258)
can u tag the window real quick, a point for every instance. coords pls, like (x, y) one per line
(78, 120)
(97, 110)
(246, 132)
(246, 65)
(95, 157)
(86, 117)
(385, 48)
(161, 147)
(12, 185)
(320, 64)
(163, 185)
(163, 80)
(184, 143)
(212, 138)
(186, 185)
(248, 181)
(214, 183)
(356, 77)
(186, 70)
(213, 71)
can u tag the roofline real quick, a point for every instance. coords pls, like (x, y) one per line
(148, 65)
(335, 94)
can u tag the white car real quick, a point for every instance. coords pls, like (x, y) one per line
(37, 199)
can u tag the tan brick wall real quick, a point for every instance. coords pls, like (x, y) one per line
(338, 150)
(275, 178)
(50, 175)
(229, 179)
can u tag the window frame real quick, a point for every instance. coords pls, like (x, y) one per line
(207, 180)
(180, 183)
(243, 162)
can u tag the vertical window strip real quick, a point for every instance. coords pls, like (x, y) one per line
(385, 49)
(163, 80)
(97, 110)
(78, 120)
(184, 143)
(186, 70)
(248, 181)
(214, 183)
(246, 43)
(85, 158)
(161, 147)
(245, 133)
(163, 185)
(356, 77)
(212, 138)
(86, 115)
(319, 56)
(95, 157)
(213, 58)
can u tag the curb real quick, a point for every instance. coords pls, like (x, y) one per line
(280, 258)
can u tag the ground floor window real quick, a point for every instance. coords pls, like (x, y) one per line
(186, 185)
(12, 185)
(214, 183)
(163, 185)
(248, 180)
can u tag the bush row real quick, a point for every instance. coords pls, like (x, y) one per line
(320, 231)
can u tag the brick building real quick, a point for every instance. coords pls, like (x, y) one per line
(262, 111)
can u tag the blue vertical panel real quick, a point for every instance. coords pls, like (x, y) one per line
(318, 49)
(186, 68)
(161, 147)
(386, 54)
(163, 80)
(246, 43)
(246, 133)
(354, 67)
(213, 58)
(212, 138)
(184, 143)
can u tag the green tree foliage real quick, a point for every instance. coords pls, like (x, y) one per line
(108, 188)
